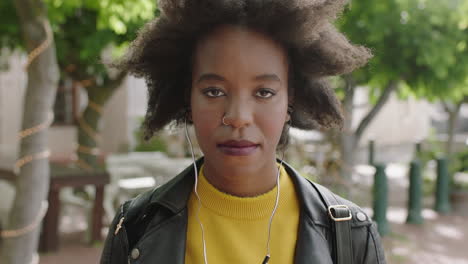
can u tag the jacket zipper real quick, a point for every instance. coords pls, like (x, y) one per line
(119, 225)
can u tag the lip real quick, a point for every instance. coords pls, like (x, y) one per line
(237, 147)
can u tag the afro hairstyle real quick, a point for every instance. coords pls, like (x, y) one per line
(162, 54)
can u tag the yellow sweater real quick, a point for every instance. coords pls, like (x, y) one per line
(236, 228)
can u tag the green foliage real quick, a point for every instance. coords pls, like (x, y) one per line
(83, 29)
(431, 150)
(155, 144)
(420, 42)
(90, 27)
(375, 24)
(460, 161)
(116, 15)
(428, 187)
(10, 36)
(441, 67)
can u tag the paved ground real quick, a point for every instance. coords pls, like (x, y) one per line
(73, 250)
(440, 240)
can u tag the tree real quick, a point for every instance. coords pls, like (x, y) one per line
(440, 72)
(446, 79)
(85, 30)
(33, 181)
(412, 41)
(104, 26)
(452, 108)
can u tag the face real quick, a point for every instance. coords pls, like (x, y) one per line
(242, 76)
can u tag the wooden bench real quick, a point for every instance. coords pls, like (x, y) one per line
(61, 177)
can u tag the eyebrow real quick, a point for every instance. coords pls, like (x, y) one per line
(216, 77)
(268, 77)
(210, 77)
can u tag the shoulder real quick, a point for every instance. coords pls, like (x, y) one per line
(366, 243)
(331, 199)
(150, 199)
(171, 196)
(316, 199)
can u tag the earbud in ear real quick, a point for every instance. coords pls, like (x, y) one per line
(290, 109)
(289, 113)
(188, 115)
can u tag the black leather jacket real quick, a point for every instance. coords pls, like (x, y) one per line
(151, 228)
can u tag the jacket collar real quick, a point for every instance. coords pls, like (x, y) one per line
(311, 246)
(175, 194)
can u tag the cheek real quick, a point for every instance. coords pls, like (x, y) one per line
(271, 121)
(205, 120)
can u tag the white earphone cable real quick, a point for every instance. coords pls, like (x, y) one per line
(196, 194)
(267, 257)
(274, 209)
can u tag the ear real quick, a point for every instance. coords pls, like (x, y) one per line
(188, 114)
(289, 113)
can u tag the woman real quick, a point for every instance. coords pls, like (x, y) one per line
(242, 72)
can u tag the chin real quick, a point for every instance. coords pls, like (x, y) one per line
(240, 162)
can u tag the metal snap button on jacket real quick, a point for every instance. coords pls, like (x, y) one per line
(135, 253)
(361, 216)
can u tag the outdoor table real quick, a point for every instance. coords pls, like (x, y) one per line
(62, 176)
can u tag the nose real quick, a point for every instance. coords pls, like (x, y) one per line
(238, 113)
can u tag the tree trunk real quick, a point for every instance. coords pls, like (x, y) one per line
(453, 113)
(32, 182)
(88, 129)
(349, 139)
(382, 100)
(452, 122)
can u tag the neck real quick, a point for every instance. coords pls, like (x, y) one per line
(242, 181)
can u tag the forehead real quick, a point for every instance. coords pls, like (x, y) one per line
(237, 50)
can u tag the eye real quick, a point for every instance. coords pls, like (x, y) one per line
(265, 93)
(213, 92)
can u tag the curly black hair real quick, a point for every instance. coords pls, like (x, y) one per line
(162, 54)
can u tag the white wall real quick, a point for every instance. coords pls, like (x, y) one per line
(114, 123)
(137, 101)
(398, 122)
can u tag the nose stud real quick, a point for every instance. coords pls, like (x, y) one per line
(224, 122)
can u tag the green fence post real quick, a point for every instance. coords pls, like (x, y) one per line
(381, 199)
(415, 194)
(442, 204)
(418, 149)
(371, 152)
